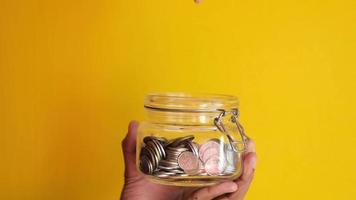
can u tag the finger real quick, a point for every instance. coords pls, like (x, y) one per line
(249, 165)
(251, 146)
(214, 191)
(222, 198)
(245, 180)
(129, 150)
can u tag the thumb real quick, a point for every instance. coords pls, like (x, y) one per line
(129, 150)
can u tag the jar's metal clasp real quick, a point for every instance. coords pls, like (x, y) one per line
(237, 146)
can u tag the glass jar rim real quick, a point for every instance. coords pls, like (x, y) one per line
(190, 102)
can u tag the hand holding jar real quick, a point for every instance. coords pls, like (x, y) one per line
(188, 141)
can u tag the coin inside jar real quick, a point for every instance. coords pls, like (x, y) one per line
(183, 157)
(188, 162)
(211, 144)
(214, 166)
(190, 140)
(178, 141)
(193, 147)
(146, 165)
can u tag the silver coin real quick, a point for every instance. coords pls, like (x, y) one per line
(144, 152)
(179, 141)
(149, 138)
(150, 167)
(177, 149)
(172, 160)
(168, 163)
(173, 154)
(231, 155)
(177, 171)
(168, 168)
(146, 165)
(192, 148)
(156, 150)
(152, 153)
(229, 169)
(182, 157)
(152, 157)
(161, 175)
(160, 147)
(196, 148)
(162, 140)
(156, 156)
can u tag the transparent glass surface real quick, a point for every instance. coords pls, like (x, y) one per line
(179, 143)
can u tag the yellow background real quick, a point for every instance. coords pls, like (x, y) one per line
(73, 73)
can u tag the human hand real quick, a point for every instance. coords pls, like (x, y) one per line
(137, 187)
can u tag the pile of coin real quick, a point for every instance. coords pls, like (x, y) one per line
(212, 155)
(183, 157)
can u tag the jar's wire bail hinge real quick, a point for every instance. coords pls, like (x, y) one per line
(221, 127)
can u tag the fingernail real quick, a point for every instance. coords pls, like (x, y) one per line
(133, 124)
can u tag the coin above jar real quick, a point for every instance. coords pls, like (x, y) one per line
(182, 157)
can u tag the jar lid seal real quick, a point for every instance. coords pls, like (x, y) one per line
(186, 102)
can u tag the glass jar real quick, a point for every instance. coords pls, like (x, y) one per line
(190, 139)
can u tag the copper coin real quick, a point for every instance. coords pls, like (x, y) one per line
(196, 146)
(214, 166)
(188, 162)
(210, 152)
(208, 145)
